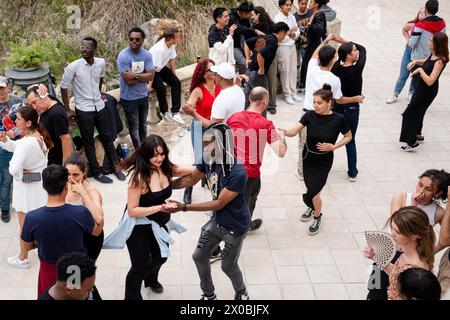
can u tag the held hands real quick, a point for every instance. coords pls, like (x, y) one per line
(172, 206)
(331, 37)
(368, 252)
(233, 29)
(325, 147)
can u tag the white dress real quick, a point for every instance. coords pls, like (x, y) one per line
(27, 155)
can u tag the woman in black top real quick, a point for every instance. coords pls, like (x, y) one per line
(261, 20)
(349, 69)
(323, 128)
(315, 34)
(426, 89)
(151, 173)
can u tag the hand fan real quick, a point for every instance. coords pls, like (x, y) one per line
(8, 123)
(383, 245)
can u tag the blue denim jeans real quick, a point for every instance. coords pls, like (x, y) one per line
(351, 114)
(404, 73)
(197, 132)
(5, 179)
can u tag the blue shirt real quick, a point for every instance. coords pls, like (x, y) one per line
(137, 62)
(57, 230)
(235, 215)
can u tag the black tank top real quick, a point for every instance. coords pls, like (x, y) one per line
(150, 199)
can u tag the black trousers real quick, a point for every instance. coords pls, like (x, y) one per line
(252, 189)
(87, 121)
(166, 75)
(146, 261)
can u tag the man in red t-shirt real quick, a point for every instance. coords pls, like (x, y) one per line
(251, 133)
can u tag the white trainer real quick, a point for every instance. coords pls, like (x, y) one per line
(392, 99)
(297, 98)
(17, 263)
(178, 119)
(289, 100)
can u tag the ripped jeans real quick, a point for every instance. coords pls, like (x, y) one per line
(211, 235)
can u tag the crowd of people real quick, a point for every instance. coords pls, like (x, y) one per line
(61, 213)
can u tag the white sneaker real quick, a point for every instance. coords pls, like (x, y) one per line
(168, 117)
(352, 179)
(392, 99)
(178, 119)
(17, 263)
(299, 175)
(289, 100)
(297, 98)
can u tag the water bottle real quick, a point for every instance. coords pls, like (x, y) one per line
(126, 150)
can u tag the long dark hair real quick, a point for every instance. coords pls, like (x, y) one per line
(139, 166)
(440, 179)
(199, 73)
(265, 23)
(28, 113)
(440, 44)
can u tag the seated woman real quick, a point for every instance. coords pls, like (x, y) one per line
(415, 240)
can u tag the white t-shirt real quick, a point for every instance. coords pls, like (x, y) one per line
(315, 80)
(161, 55)
(290, 21)
(229, 101)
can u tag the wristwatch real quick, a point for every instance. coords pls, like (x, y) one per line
(137, 76)
(184, 206)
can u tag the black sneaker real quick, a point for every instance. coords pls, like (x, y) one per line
(156, 287)
(255, 224)
(6, 216)
(315, 226)
(243, 296)
(216, 256)
(205, 297)
(103, 179)
(272, 110)
(309, 213)
(420, 139)
(408, 148)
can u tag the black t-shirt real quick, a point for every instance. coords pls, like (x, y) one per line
(323, 128)
(268, 52)
(57, 230)
(46, 296)
(217, 35)
(235, 215)
(302, 18)
(243, 28)
(351, 76)
(56, 122)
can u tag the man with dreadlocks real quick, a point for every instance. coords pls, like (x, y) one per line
(230, 219)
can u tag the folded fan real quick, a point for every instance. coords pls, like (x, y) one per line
(383, 245)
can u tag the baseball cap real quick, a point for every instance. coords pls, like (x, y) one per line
(3, 82)
(225, 70)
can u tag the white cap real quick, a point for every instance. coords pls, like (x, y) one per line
(3, 82)
(225, 70)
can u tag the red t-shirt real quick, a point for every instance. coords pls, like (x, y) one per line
(251, 133)
(204, 106)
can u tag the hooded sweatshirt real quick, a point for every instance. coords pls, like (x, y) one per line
(422, 33)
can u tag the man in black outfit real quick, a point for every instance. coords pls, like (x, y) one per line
(241, 17)
(55, 120)
(260, 53)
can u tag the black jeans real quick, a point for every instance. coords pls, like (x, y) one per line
(255, 80)
(252, 189)
(136, 112)
(166, 75)
(87, 121)
(211, 235)
(146, 261)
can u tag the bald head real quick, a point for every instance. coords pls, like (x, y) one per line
(259, 98)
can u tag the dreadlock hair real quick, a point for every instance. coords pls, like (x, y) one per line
(222, 135)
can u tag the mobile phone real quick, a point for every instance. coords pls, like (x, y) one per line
(31, 177)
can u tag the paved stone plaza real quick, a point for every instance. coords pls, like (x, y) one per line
(280, 260)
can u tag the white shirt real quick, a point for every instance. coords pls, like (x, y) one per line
(290, 21)
(315, 80)
(84, 80)
(161, 54)
(228, 102)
